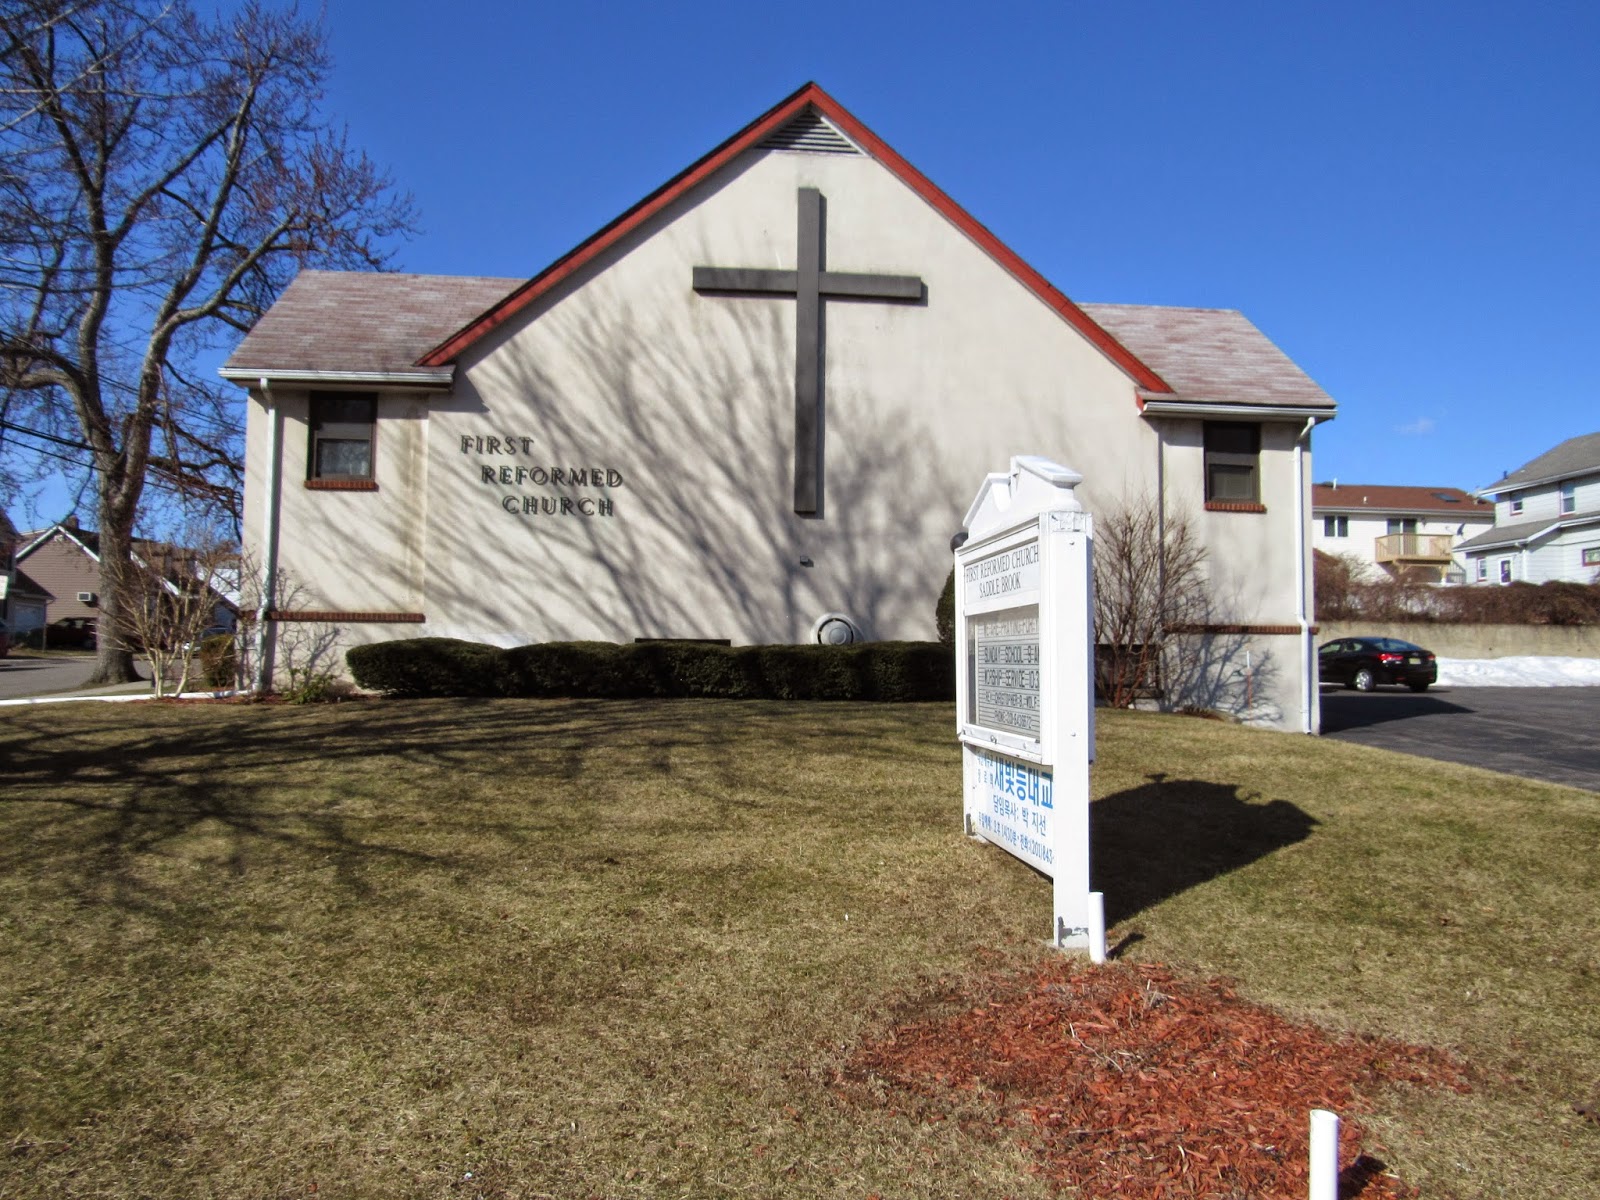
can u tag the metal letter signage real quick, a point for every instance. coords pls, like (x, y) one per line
(1024, 651)
(809, 285)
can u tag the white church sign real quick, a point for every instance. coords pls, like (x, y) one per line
(1025, 692)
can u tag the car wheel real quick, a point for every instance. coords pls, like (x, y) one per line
(1420, 685)
(1363, 680)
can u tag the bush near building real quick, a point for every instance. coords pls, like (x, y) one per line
(870, 671)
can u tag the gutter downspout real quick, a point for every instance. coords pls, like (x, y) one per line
(269, 544)
(1307, 658)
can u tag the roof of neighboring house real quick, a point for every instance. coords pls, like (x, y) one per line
(1211, 356)
(24, 584)
(362, 321)
(8, 532)
(1575, 456)
(86, 540)
(1386, 498)
(1525, 531)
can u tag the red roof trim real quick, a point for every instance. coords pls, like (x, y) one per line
(774, 118)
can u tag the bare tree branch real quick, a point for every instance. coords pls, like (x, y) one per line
(162, 177)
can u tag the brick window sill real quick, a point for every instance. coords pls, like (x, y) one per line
(342, 485)
(1239, 506)
(352, 617)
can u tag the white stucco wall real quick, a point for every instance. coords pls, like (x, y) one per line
(684, 403)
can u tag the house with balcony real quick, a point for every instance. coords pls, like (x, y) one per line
(1546, 520)
(1405, 532)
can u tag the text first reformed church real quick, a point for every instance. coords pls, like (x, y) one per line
(762, 397)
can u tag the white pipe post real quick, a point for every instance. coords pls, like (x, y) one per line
(1324, 1155)
(269, 543)
(1308, 655)
(1097, 927)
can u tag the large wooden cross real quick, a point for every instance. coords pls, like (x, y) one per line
(809, 283)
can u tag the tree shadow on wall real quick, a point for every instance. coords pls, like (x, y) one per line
(1153, 841)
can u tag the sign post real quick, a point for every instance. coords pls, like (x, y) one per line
(1024, 683)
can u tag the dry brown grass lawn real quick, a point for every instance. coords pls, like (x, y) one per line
(524, 948)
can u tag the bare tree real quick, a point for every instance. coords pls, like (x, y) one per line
(1148, 583)
(171, 594)
(162, 177)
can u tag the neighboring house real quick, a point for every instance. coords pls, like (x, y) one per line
(755, 407)
(22, 601)
(8, 564)
(1546, 520)
(63, 562)
(1410, 532)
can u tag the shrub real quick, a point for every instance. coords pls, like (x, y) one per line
(219, 661)
(427, 667)
(886, 671)
(1343, 598)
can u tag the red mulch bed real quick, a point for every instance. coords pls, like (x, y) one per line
(1128, 1081)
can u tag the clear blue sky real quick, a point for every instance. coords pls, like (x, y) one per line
(1405, 197)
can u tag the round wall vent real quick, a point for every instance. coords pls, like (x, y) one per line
(834, 629)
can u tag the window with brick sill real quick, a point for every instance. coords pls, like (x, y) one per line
(1233, 467)
(340, 446)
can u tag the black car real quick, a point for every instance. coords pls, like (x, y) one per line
(1365, 662)
(71, 632)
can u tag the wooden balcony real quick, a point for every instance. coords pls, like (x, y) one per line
(1430, 548)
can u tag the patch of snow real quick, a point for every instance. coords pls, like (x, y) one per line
(1519, 671)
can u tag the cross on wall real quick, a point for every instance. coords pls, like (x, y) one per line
(810, 283)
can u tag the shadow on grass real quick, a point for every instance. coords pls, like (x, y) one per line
(1153, 841)
(93, 798)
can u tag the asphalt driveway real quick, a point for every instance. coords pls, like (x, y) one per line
(1549, 733)
(50, 675)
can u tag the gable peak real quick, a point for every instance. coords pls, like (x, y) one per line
(810, 132)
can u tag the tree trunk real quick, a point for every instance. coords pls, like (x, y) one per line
(114, 663)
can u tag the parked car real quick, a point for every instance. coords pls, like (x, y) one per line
(70, 632)
(1365, 662)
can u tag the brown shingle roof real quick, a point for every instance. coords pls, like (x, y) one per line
(1211, 355)
(1357, 497)
(362, 321)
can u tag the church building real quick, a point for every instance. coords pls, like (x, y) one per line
(754, 408)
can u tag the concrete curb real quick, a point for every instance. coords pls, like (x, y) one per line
(114, 697)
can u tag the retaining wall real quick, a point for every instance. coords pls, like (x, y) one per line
(1476, 641)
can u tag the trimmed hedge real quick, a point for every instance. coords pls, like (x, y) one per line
(870, 671)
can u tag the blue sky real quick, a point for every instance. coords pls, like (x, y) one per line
(1402, 196)
(1405, 197)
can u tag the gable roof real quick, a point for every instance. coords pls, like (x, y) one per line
(1211, 356)
(25, 586)
(1384, 498)
(83, 539)
(812, 98)
(350, 326)
(1523, 532)
(1575, 456)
